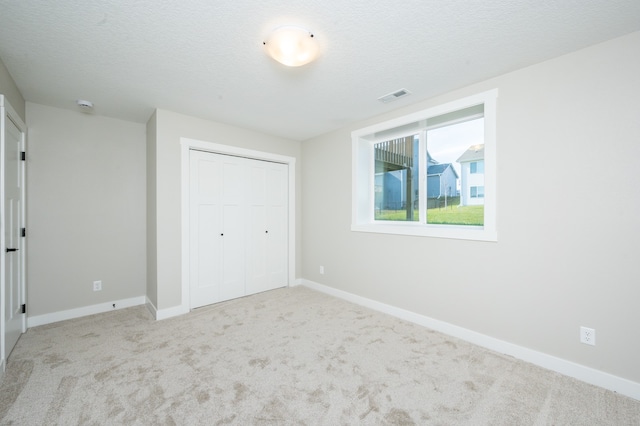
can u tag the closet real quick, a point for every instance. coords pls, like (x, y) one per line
(238, 221)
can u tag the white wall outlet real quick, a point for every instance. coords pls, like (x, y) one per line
(97, 285)
(588, 336)
(321, 270)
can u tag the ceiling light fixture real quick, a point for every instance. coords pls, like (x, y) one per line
(292, 46)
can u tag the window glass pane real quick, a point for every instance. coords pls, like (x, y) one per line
(477, 166)
(455, 172)
(396, 179)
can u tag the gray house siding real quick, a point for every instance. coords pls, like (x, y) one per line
(389, 191)
(441, 180)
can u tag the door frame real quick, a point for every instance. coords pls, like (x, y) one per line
(7, 112)
(187, 145)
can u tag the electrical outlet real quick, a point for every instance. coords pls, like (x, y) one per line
(588, 336)
(321, 270)
(97, 285)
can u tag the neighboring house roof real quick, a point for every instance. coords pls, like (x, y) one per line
(438, 169)
(474, 153)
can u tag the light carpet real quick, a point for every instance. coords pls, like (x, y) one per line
(291, 356)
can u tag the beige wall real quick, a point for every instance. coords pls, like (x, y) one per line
(170, 127)
(10, 90)
(85, 209)
(568, 200)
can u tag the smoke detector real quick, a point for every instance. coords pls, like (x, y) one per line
(86, 106)
(393, 96)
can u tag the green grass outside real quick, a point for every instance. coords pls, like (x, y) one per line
(451, 215)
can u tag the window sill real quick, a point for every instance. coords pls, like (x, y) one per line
(436, 231)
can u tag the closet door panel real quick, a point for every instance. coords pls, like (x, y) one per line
(205, 227)
(233, 258)
(277, 219)
(209, 249)
(276, 248)
(233, 228)
(257, 229)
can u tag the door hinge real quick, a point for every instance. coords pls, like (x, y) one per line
(23, 156)
(24, 308)
(23, 232)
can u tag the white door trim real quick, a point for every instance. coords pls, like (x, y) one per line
(189, 144)
(7, 112)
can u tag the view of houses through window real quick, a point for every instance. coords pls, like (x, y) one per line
(452, 160)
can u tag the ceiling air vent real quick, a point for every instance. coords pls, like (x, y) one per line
(394, 95)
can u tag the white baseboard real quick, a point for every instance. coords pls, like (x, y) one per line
(151, 307)
(550, 362)
(84, 311)
(160, 314)
(171, 312)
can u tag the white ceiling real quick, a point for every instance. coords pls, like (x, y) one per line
(205, 57)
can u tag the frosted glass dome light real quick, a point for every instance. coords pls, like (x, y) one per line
(292, 46)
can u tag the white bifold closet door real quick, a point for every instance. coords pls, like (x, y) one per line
(238, 227)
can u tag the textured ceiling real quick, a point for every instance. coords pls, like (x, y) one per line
(204, 58)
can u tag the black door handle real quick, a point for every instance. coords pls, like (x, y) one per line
(9, 250)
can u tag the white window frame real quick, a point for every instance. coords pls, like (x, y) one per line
(363, 176)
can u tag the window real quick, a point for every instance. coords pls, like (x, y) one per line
(477, 167)
(431, 173)
(477, 192)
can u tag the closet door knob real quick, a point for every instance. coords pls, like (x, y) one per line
(9, 250)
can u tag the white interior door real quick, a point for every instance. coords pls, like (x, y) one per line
(267, 240)
(257, 234)
(205, 228)
(233, 227)
(216, 198)
(277, 220)
(13, 324)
